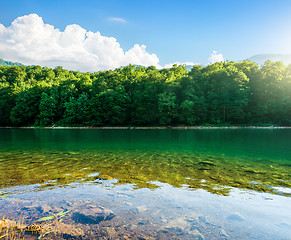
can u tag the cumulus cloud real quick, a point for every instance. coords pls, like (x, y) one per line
(215, 57)
(32, 42)
(117, 19)
(169, 65)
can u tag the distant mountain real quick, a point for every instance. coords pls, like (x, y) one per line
(260, 59)
(7, 63)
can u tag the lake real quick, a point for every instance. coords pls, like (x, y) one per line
(147, 184)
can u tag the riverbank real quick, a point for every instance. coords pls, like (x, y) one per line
(160, 127)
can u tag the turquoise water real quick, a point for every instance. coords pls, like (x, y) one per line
(151, 184)
(262, 143)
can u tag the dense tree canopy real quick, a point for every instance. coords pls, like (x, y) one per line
(226, 93)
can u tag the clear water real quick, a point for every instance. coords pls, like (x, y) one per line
(150, 184)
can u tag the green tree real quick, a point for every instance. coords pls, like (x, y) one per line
(109, 108)
(48, 108)
(75, 109)
(167, 108)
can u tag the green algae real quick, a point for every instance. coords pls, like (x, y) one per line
(215, 173)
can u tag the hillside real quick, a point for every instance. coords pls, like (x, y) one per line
(8, 63)
(260, 59)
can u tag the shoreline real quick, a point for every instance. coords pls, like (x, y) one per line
(152, 128)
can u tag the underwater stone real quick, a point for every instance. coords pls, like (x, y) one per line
(105, 177)
(253, 171)
(111, 233)
(236, 217)
(223, 233)
(92, 215)
(206, 163)
(196, 235)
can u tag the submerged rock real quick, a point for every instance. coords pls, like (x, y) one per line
(206, 163)
(110, 233)
(35, 228)
(141, 208)
(196, 235)
(92, 215)
(105, 177)
(236, 217)
(253, 171)
(223, 233)
(66, 230)
(40, 208)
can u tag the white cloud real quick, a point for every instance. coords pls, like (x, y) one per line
(117, 19)
(169, 65)
(32, 42)
(215, 57)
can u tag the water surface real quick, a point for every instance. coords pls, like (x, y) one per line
(143, 184)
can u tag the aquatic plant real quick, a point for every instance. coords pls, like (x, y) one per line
(17, 230)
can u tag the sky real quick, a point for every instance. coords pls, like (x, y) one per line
(92, 35)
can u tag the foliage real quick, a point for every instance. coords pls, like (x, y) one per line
(221, 93)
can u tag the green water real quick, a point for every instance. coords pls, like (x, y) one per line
(253, 159)
(217, 161)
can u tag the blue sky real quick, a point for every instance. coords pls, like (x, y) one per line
(176, 31)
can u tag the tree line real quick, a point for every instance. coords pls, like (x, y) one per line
(224, 93)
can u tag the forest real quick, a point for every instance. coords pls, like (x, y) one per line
(221, 94)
